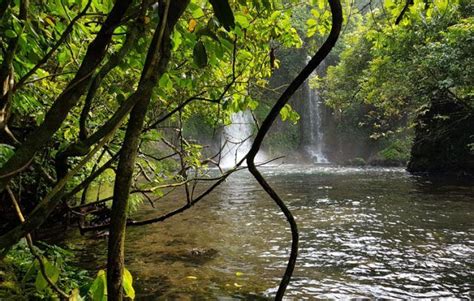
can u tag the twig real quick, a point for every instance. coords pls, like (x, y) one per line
(404, 10)
(29, 241)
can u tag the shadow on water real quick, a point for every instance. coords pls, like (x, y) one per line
(365, 233)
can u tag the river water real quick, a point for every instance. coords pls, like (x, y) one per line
(365, 232)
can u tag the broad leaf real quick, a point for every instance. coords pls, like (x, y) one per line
(200, 55)
(128, 284)
(98, 289)
(51, 271)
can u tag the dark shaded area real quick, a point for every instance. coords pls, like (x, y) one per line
(443, 141)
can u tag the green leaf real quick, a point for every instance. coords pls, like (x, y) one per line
(177, 40)
(98, 289)
(197, 13)
(51, 271)
(165, 82)
(223, 13)
(10, 33)
(62, 57)
(127, 284)
(200, 55)
(75, 295)
(242, 20)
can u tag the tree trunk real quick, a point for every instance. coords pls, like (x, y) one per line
(155, 65)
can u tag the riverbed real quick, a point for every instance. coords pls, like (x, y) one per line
(364, 232)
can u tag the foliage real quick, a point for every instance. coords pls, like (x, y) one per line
(98, 288)
(28, 282)
(73, 73)
(214, 61)
(387, 73)
(397, 151)
(59, 265)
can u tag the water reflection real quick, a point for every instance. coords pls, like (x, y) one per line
(373, 232)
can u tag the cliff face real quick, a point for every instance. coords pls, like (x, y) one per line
(444, 140)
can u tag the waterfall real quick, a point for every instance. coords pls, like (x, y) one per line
(237, 140)
(315, 146)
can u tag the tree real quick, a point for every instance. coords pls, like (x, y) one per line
(77, 92)
(397, 62)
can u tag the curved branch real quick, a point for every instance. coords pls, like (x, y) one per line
(267, 123)
(114, 60)
(177, 211)
(172, 213)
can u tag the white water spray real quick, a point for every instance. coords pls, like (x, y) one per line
(316, 135)
(237, 140)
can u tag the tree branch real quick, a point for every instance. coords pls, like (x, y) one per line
(115, 59)
(404, 10)
(267, 123)
(29, 241)
(67, 99)
(48, 55)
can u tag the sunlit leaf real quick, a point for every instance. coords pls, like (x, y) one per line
(128, 284)
(98, 289)
(192, 25)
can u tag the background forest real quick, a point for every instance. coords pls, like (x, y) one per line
(109, 106)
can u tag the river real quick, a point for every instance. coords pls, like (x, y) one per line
(365, 232)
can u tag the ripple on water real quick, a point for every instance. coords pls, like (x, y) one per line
(364, 233)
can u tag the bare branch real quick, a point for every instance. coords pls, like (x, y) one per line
(404, 10)
(29, 241)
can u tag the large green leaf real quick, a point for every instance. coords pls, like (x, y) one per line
(128, 284)
(200, 55)
(223, 13)
(51, 271)
(98, 289)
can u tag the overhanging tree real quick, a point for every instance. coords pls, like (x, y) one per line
(93, 102)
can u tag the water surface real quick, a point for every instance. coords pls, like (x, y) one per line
(365, 232)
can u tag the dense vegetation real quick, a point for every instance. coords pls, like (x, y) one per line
(130, 93)
(90, 87)
(393, 71)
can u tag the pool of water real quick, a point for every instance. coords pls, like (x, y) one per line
(365, 232)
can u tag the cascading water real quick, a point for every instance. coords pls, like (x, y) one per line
(315, 146)
(237, 140)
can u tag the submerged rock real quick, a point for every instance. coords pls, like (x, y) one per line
(195, 256)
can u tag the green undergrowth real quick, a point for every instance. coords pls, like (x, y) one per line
(21, 278)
